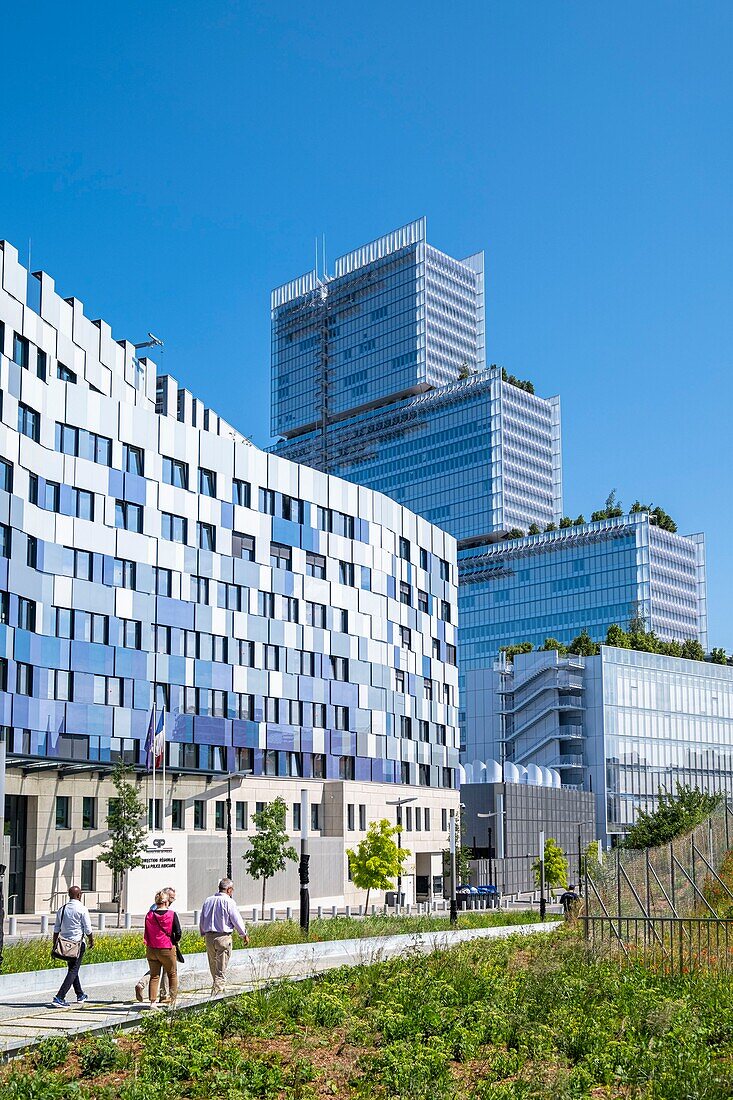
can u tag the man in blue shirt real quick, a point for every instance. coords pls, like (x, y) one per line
(219, 917)
(72, 924)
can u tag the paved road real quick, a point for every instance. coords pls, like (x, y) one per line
(26, 1016)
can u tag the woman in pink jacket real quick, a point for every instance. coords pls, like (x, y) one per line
(162, 934)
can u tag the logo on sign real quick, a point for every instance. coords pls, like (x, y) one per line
(159, 842)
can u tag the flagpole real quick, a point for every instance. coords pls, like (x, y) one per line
(152, 750)
(163, 814)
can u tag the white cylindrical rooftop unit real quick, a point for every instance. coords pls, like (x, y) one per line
(465, 774)
(493, 771)
(534, 776)
(478, 768)
(511, 772)
(522, 773)
(546, 776)
(556, 780)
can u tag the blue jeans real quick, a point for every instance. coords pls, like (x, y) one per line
(72, 975)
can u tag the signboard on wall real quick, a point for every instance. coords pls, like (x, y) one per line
(165, 863)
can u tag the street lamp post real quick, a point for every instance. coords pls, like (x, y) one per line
(543, 902)
(581, 825)
(304, 865)
(452, 841)
(494, 813)
(399, 803)
(229, 827)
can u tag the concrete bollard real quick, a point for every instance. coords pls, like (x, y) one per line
(12, 925)
(44, 924)
(273, 915)
(319, 912)
(334, 911)
(254, 914)
(347, 911)
(128, 920)
(100, 922)
(374, 910)
(289, 912)
(196, 915)
(409, 910)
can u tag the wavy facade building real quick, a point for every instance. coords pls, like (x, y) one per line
(289, 627)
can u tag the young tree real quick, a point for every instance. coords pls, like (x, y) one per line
(270, 847)
(583, 645)
(533, 529)
(377, 859)
(556, 866)
(692, 649)
(674, 815)
(718, 657)
(552, 643)
(127, 831)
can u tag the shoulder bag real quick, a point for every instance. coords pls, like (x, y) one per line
(65, 949)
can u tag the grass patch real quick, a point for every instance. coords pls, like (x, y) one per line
(35, 953)
(489, 1020)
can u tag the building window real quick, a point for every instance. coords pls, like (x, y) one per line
(442, 734)
(241, 816)
(123, 573)
(88, 875)
(444, 570)
(128, 516)
(423, 778)
(207, 482)
(131, 634)
(408, 819)
(220, 815)
(245, 758)
(340, 668)
(65, 374)
(272, 658)
(422, 601)
(292, 509)
(243, 546)
(205, 536)
(427, 689)
(88, 812)
(445, 611)
(436, 649)
(83, 565)
(423, 730)
(406, 727)
(316, 818)
(404, 772)
(362, 818)
(133, 459)
(290, 609)
(175, 473)
(423, 558)
(84, 504)
(51, 496)
(444, 820)
(174, 528)
(319, 721)
(450, 654)
(20, 350)
(281, 557)
(200, 590)
(426, 813)
(242, 495)
(267, 605)
(6, 476)
(342, 718)
(24, 679)
(315, 614)
(399, 680)
(26, 613)
(319, 765)
(5, 540)
(405, 637)
(63, 811)
(62, 685)
(341, 620)
(350, 816)
(41, 364)
(67, 439)
(220, 648)
(100, 449)
(405, 594)
(404, 549)
(163, 581)
(346, 768)
(346, 573)
(315, 565)
(29, 422)
(177, 814)
(199, 813)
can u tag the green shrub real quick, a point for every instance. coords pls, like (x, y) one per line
(51, 1052)
(98, 1054)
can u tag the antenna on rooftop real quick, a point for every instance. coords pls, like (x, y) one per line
(153, 342)
(324, 256)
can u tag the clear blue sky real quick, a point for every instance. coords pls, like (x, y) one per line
(173, 163)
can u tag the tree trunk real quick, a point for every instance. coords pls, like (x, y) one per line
(264, 885)
(119, 900)
(366, 903)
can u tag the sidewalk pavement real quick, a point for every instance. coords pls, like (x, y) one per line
(26, 1014)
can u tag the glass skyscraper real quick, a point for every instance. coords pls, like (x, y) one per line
(378, 375)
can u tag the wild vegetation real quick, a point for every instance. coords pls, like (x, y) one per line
(34, 954)
(511, 1020)
(636, 637)
(675, 814)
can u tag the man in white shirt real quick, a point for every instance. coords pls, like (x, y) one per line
(72, 923)
(219, 917)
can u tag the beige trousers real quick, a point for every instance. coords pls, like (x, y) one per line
(219, 951)
(160, 958)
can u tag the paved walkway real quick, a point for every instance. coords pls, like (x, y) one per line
(26, 1014)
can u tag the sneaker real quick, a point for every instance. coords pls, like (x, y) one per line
(139, 991)
(57, 1002)
(82, 997)
(154, 1004)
